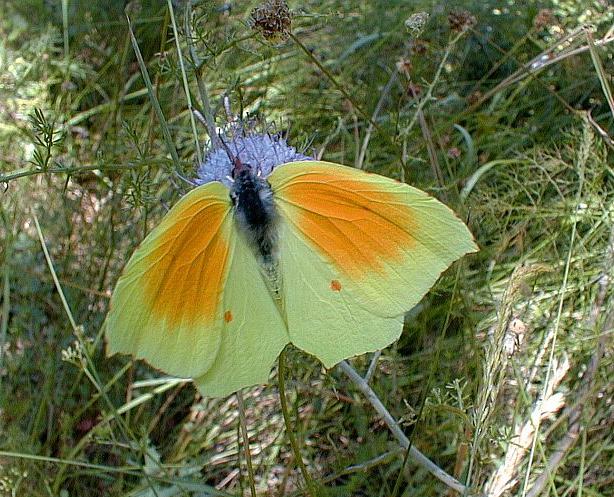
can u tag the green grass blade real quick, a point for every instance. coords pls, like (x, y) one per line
(168, 140)
(184, 77)
(601, 74)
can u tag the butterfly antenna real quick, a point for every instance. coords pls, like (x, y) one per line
(238, 166)
(274, 141)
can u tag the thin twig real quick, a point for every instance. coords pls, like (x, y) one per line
(332, 79)
(537, 64)
(396, 430)
(382, 99)
(26, 171)
(432, 152)
(601, 73)
(372, 366)
(600, 131)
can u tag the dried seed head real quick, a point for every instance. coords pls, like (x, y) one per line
(514, 336)
(474, 97)
(413, 89)
(419, 47)
(461, 20)
(544, 19)
(272, 20)
(404, 66)
(454, 153)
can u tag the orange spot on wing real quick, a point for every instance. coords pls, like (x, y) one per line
(228, 316)
(358, 223)
(335, 286)
(185, 267)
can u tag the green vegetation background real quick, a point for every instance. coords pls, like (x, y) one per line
(503, 110)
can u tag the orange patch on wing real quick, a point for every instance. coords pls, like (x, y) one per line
(359, 224)
(228, 316)
(335, 286)
(186, 266)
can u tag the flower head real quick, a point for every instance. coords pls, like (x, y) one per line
(261, 152)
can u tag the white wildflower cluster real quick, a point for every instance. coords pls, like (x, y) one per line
(74, 354)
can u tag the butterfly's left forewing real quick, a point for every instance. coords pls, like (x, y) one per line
(186, 295)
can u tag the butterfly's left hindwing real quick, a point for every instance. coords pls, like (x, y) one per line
(255, 332)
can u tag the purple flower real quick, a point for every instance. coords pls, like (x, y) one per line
(261, 152)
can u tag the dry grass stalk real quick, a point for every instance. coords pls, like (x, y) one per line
(505, 477)
(496, 356)
(576, 412)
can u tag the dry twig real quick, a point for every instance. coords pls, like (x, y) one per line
(414, 454)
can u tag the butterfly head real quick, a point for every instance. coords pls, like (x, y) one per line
(243, 161)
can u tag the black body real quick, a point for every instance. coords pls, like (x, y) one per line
(255, 213)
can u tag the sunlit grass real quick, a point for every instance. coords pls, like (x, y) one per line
(502, 364)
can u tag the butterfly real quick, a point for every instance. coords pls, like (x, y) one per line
(316, 254)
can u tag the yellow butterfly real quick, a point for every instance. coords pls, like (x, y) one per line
(323, 256)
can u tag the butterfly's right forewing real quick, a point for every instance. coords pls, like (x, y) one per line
(358, 250)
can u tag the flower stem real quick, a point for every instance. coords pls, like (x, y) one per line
(281, 373)
(414, 454)
(245, 436)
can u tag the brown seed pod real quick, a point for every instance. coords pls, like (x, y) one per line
(461, 20)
